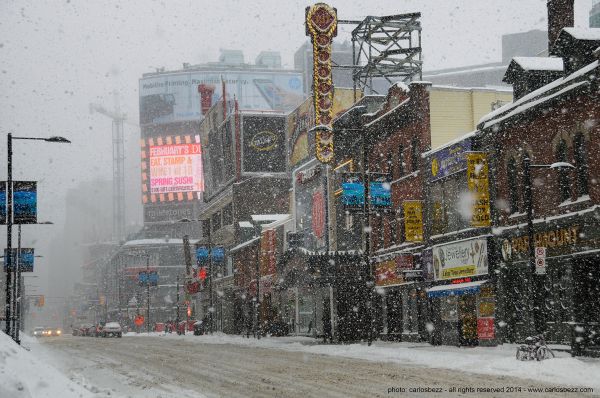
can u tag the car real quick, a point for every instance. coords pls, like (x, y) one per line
(112, 329)
(94, 331)
(54, 332)
(38, 331)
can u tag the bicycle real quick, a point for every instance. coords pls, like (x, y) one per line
(534, 349)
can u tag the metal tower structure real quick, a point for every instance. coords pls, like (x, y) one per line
(387, 47)
(118, 118)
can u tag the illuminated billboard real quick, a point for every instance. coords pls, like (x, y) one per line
(171, 169)
(183, 96)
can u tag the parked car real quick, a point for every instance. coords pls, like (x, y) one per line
(112, 329)
(94, 331)
(199, 328)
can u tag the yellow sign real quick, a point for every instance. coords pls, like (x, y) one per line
(479, 187)
(457, 272)
(413, 220)
(386, 273)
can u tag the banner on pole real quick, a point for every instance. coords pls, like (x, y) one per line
(413, 220)
(479, 187)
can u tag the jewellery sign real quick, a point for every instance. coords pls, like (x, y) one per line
(460, 259)
(413, 220)
(479, 187)
(321, 25)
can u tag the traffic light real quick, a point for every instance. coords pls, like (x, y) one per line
(202, 274)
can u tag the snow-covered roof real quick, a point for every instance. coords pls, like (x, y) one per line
(401, 85)
(540, 63)
(371, 123)
(162, 241)
(244, 244)
(246, 224)
(268, 217)
(584, 33)
(278, 223)
(449, 143)
(537, 97)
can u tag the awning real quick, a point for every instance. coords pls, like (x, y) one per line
(455, 290)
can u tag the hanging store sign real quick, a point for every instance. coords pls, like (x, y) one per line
(449, 160)
(386, 273)
(321, 26)
(268, 252)
(2, 202)
(460, 259)
(479, 187)
(148, 278)
(413, 220)
(485, 328)
(218, 254)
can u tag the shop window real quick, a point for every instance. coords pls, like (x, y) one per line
(564, 182)
(580, 155)
(228, 214)
(400, 161)
(415, 154)
(511, 172)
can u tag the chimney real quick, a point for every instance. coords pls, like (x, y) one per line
(561, 14)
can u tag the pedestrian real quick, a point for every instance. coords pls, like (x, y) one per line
(310, 326)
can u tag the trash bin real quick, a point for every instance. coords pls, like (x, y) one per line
(198, 328)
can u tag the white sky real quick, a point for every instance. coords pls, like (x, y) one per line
(58, 56)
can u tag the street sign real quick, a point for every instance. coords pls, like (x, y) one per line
(540, 260)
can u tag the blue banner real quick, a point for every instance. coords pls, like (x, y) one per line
(2, 202)
(150, 278)
(380, 191)
(353, 191)
(218, 254)
(25, 259)
(25, 202)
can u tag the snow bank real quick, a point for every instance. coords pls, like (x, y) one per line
(500, 360)
(22, 375)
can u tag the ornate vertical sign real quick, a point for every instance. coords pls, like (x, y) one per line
(321, 25)
(413, 220)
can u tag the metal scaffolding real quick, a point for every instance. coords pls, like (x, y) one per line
(386, 47)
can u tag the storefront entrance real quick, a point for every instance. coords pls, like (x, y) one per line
(467, 316)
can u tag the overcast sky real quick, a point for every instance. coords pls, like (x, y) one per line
(57, 56)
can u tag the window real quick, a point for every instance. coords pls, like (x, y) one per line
(564, 182)
(389, 164)
(579, 152)
(400, 161)
(511, 172)
(415, 154)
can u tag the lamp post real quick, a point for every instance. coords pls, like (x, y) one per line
(9, 219)
(527, 166)
(257, 304)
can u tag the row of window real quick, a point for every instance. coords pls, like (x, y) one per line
(400, 165)
(567, 186)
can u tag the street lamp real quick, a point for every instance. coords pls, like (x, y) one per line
(527, 166)
(9, 220)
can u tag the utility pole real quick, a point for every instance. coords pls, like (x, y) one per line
(9, 219)
(148, 293)
(17, 285)
(210, 280)
(257, 305)
(177, 313)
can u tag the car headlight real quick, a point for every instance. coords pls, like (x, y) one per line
(58, 332)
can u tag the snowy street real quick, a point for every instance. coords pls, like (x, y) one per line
(232, 366)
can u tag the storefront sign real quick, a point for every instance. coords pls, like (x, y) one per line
(263, 141)
(318, 214)
(449, 160)
(485, 328)
(309, 174)
(386, 273)
(479, 187)
(413, 220)
(550, 239)
(460, 259)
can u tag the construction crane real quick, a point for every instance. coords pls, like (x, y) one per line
(118, 118)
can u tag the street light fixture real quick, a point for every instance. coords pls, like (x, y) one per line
(527, 166)
(9, 221)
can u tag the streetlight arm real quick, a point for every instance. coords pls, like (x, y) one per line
(555, 165)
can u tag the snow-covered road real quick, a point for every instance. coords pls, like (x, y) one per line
(224, 366)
